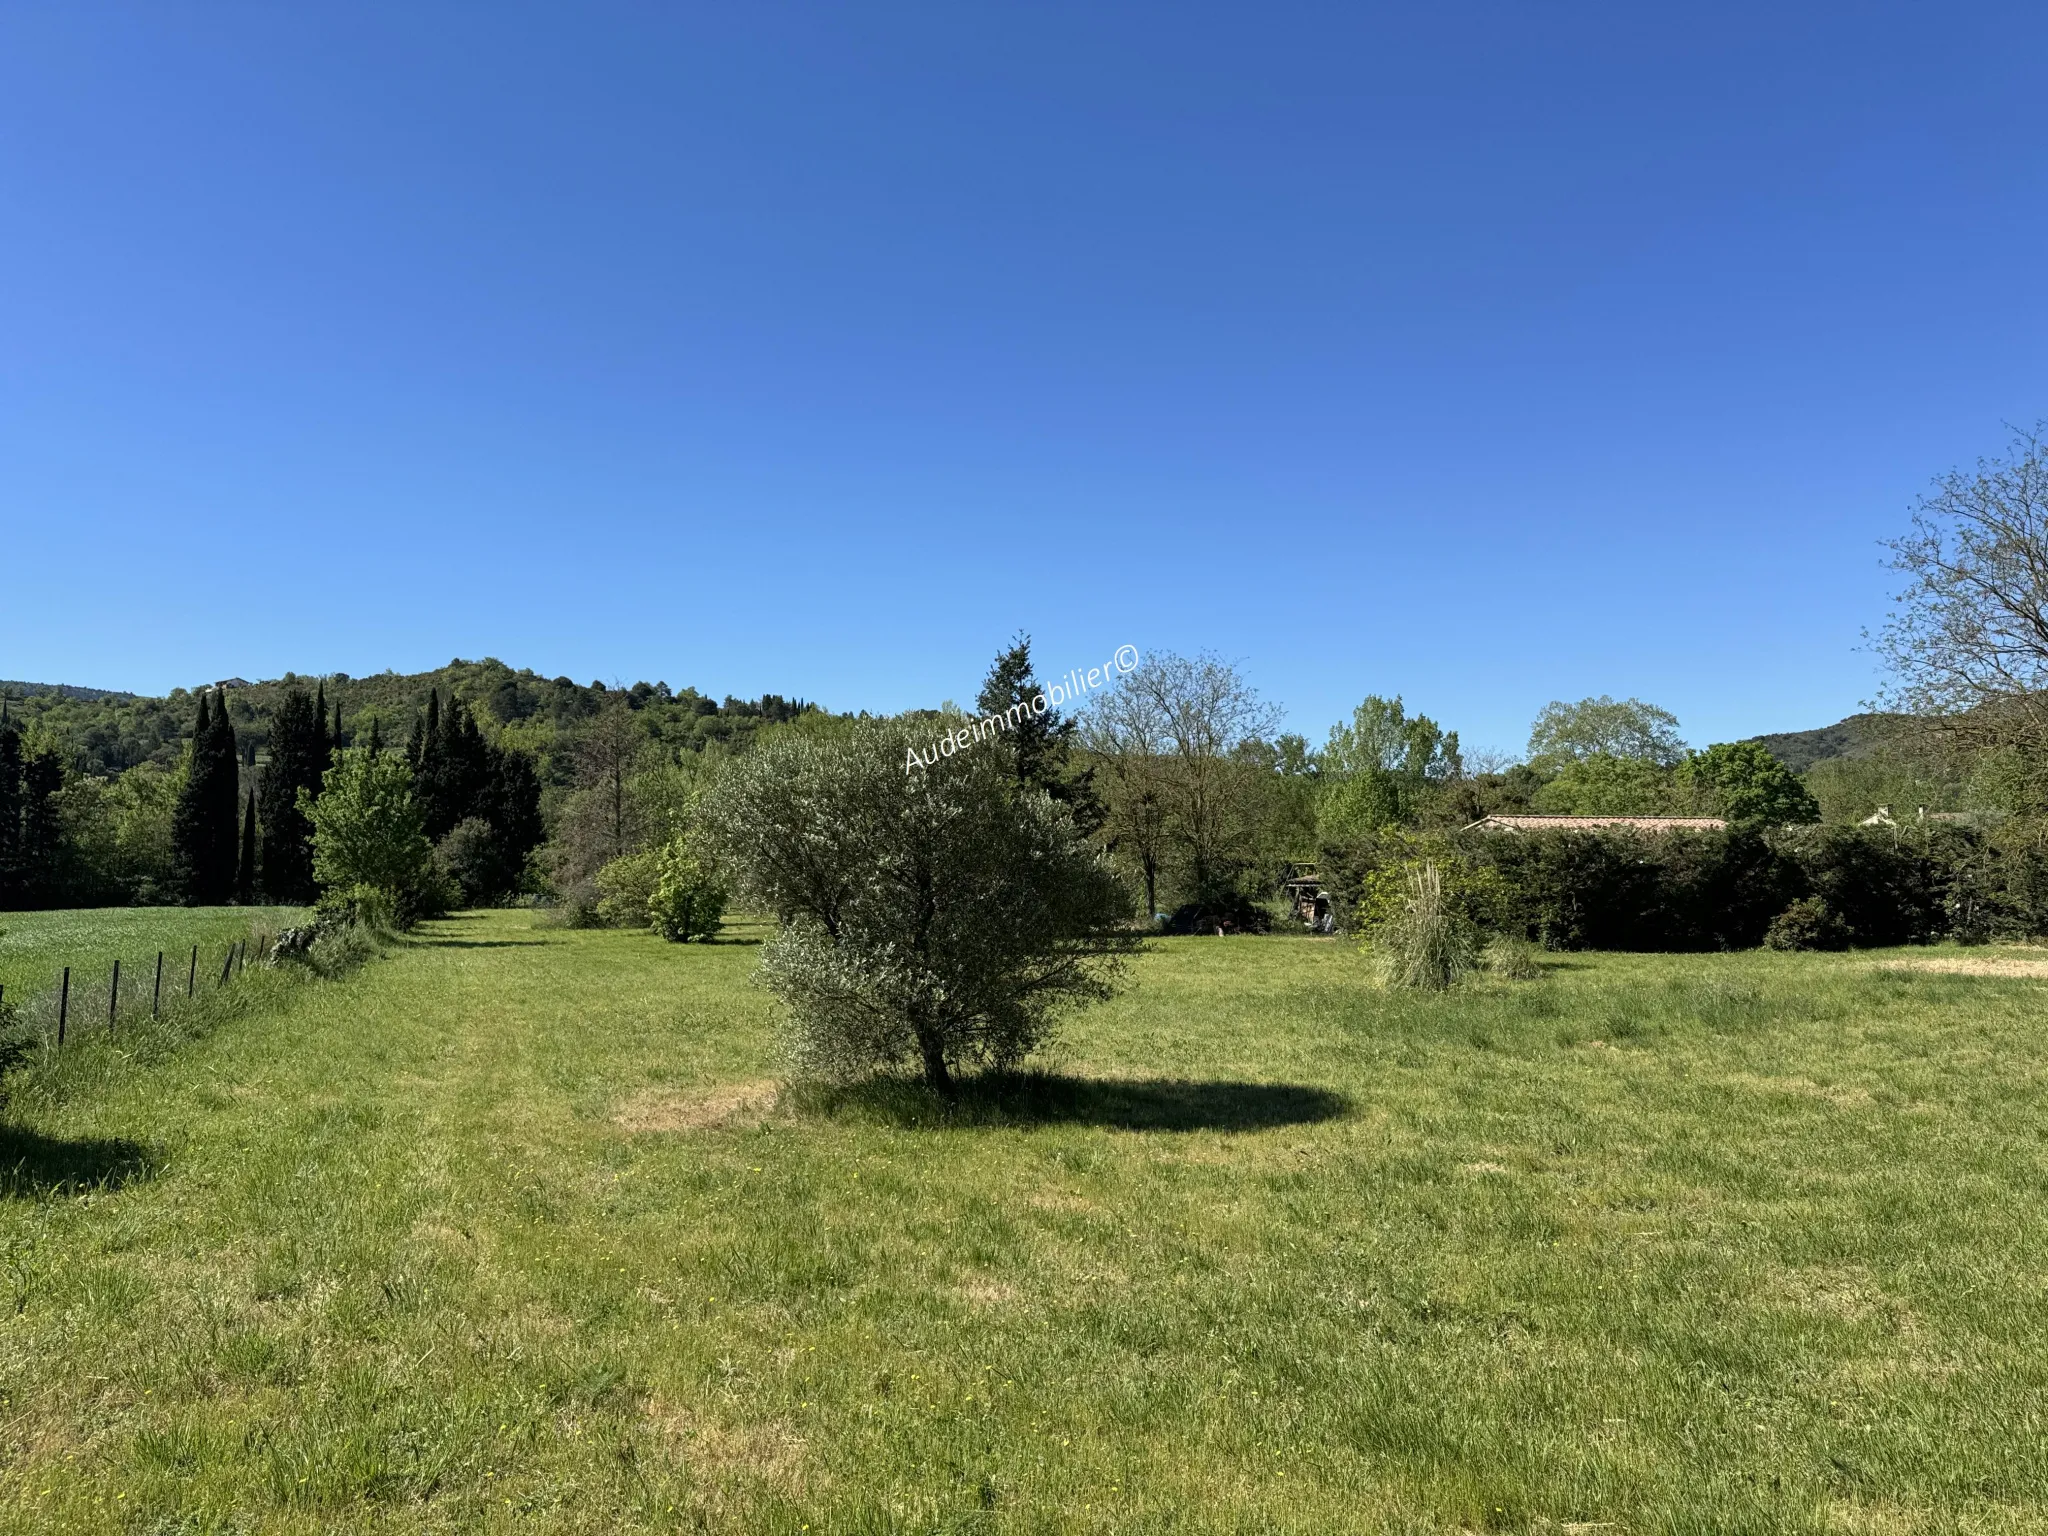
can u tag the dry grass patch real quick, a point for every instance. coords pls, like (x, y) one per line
(770, 1453)
(703, 1109)
(986, 1293)
(1843, 1291)
(1972, 965)
(1841, 1095)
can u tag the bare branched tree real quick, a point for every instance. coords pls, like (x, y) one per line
(603, 818)
(1169, 738)
(1967, 642)
(1125, 731)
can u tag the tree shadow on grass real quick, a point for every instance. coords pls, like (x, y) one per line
(1027, 1100)
(33, 1165)
(434, 941)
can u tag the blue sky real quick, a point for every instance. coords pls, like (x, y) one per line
(1486, 354)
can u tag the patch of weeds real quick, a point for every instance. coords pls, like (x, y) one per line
(1725, 1007)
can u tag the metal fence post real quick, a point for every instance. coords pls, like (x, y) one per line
(192, 975)
(156, 997)
(113, 996)
(63, 1005)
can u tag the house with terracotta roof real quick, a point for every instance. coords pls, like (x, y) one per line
(1520, 824)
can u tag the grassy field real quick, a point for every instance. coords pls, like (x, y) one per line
(36, 946)
(509, 1232)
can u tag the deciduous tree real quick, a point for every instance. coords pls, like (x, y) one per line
(1743, 782)
(1967, 641)
(367, 827)
(1603, 727)
(1170, 736)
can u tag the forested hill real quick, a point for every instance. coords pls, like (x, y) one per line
(1857, 736)
(106, 732)
(19, 690)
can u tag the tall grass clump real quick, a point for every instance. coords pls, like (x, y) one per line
(1424, 942)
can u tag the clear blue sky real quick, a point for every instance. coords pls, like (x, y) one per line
(1485, 354)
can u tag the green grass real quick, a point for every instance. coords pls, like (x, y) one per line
(498, 1235)
(36, 946)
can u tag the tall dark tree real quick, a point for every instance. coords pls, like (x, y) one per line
(459, 775)
(10, 813)
(299, 753)
(245, 869)
(203, 834)
(426, 732)
(452, 766)
(1039, 746)
(510, 803)
(42, 831)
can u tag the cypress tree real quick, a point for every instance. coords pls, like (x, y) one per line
(42, 831)
(416, 746)
(298, 756)
(376, 734)
(203, 823)
(227, 805)
(10, 813)
(245, 871)
(188, 817)
(455, 770)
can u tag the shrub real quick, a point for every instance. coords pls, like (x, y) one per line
(1226, 911)
(1425, 943)
(626, 885)
(476, 864)
(1808, 923)
(1511, 959)
(689, 900)
(1882, 888)
(1625, 890)
(341, 949)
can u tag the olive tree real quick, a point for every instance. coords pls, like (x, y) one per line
(944, 917)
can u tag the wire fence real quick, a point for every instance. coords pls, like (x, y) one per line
(100, 999)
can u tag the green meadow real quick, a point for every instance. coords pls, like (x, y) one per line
(513, 1230)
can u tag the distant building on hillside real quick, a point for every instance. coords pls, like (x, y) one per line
(1883, 817)
(1520, 824)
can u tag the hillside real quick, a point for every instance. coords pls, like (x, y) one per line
(11, 689)
(109, 732)
(1857, 736)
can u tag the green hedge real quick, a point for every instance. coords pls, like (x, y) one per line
(1721, 890)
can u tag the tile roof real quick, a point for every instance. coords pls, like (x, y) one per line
(1595, 823)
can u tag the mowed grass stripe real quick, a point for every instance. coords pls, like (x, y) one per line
(1681, 1243)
